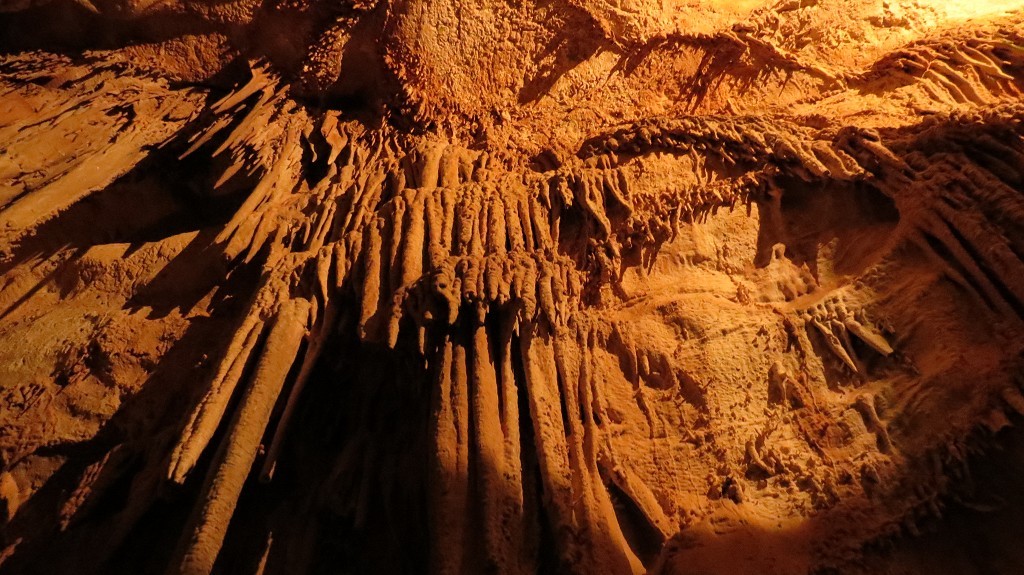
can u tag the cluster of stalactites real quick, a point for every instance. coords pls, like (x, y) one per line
(421, 235)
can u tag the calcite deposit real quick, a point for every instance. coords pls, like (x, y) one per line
(517, 287)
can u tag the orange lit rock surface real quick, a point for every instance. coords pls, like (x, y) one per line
(626, 287)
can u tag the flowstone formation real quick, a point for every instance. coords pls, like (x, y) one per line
(670, 287)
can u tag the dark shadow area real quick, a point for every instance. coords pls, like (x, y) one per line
(122, 518)
(348, 493)
(65, 26)
(644, 539)
(805, 216)
(159, 198)
(579, 38)
(977, 533)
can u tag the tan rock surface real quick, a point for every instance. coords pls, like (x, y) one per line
(511, 287)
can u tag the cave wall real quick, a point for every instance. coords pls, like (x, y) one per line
(528, 287)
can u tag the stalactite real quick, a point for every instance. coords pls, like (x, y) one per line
(207, 416)
(449, 476)
(240, 445)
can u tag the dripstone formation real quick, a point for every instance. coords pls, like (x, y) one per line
(343, 286)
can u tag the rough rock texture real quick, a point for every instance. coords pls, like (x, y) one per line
(573, 286)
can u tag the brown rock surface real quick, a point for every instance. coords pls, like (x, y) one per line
(511, 287)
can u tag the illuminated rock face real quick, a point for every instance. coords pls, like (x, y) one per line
(511, 287)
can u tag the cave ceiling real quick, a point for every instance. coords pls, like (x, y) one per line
(559, 286)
